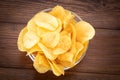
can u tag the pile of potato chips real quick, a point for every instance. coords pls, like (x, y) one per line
(56, 40)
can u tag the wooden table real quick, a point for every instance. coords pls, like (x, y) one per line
(102, 61)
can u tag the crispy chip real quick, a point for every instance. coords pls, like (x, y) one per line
(66, 59)
(46, 21)
(79, 47)
(41, 64)
(56, 68)
(20, 44)
(58, 12)
(68, 19)
(50, 39)
(30, 39)
(35, 48)
(41, 31)
(82, 52)
(59, 26)
(85, 31)
(31, 26)
(48, 52)
(63, 45)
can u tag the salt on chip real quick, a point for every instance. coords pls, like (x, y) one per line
(20, 44)
(85, 31)
(30, 39)
(41, 64)
(46, 21)
(50, 39)
(48, 52)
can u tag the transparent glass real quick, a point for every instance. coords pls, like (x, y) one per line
(77, 18)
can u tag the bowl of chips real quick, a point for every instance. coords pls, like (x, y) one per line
(55, 39)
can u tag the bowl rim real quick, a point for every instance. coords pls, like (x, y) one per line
(32, 57)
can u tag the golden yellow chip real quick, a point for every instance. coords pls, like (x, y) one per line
(58, 12)
(41, 64)
(59, 26)
(40, 31)
(79, 47)
(63, 45)
(31, 26)
(30, 39)
(56, 68)
(85, 31)
(68, 19)
(21, 47)
(35, 48)
(50, 39)
(66, 59)
(64, 15)
(48, 52)
(45, 20)
(82, 52)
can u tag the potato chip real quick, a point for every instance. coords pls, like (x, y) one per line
(41, 31)
(59, 26)
(58, 12)
(21, 47)
(64, 15)
(31, 26)
(50, 39)
(46, 21)
(41, 64)
(48, 52)
(68, 27)
(85, 31)
(68, 19)
(56, 68)
(35, 48)
(82, 52)
(66, 59)
(79, 47)
(30, 39)
(63, 45)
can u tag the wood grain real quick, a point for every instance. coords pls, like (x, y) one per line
(102, 55)
(29, 74)
(100, 14)
(102, 60)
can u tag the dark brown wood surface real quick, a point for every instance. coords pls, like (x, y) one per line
(102, 61)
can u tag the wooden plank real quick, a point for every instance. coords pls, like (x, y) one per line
(102, 55)
(29, 74)
(101, 14)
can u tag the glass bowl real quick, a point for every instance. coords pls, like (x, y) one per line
(77, 18)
